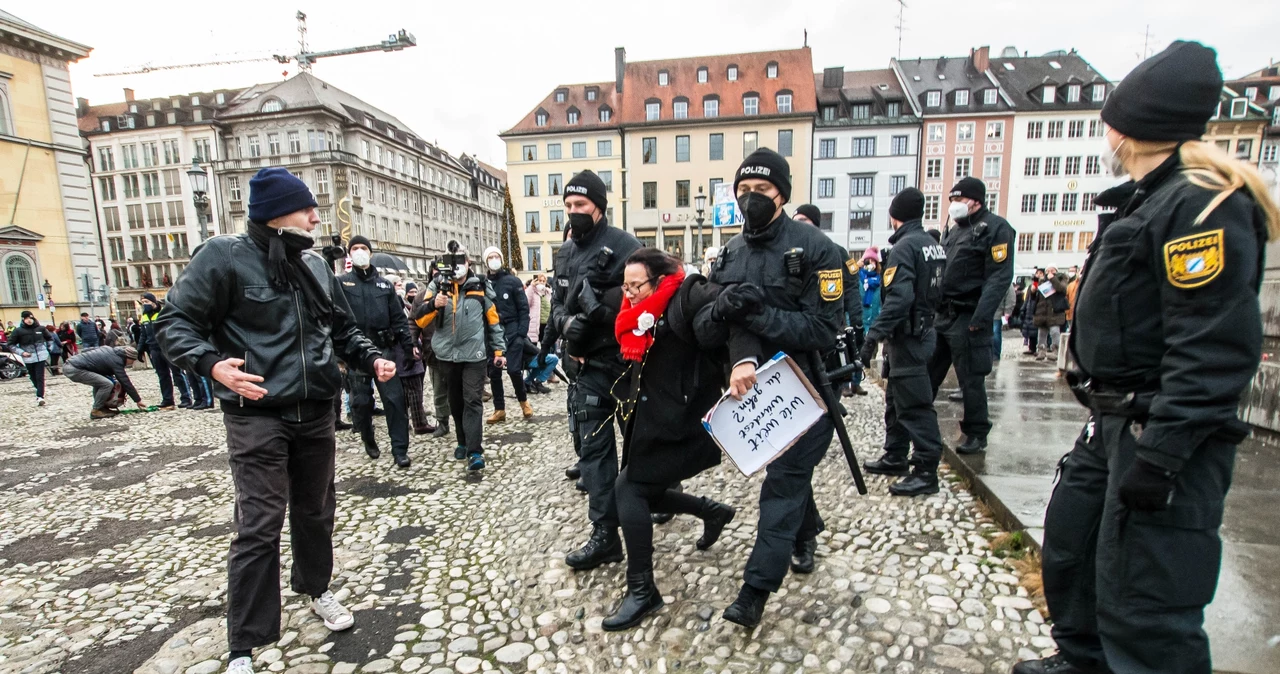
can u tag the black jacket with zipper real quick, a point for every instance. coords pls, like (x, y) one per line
(224, 306)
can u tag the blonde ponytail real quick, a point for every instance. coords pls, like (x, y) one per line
(1208, 167)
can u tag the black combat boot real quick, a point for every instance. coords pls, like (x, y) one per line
(581, 485)
(887, 464)
(748, 608)
(714, 516)
(573, 472)
(642, 598)
(972, 445)
(603, 547)
(1054, 664)
(661, 518)
(402, 459)
(371, 448)
(802, 555)
(918, 483)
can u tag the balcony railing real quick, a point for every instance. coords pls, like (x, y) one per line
(160, 254)
(181, 253)
(237, 206)
(139, 256)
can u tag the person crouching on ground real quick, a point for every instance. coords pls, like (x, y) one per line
(97, 367)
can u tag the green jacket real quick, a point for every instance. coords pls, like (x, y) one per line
(468, 328)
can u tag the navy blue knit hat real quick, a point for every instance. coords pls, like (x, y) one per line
(274, 192)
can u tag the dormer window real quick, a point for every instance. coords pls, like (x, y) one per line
(1073, 93)
(652, 110)
(106, 125)
(561, 95)
(605, 113)
(573, 115)
(751, 104)
(732, 73)
(1239, 107)
(962, 97)
(702, 75)
(133, 108)
(989, 97)
(771, 70)
(592, 93)
(220, 99)
(1050, 94)
(195, 100)
(933, 99)
(664, 78)
(711, 106)
(784, 102)
(272, 105)
(175, 103)
(540, 118)
(680, 108)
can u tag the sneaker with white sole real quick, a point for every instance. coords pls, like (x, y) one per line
(240, 666)
(336, 616)
(39, 402)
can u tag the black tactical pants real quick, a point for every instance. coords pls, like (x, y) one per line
(970, 352)
(465, 383)
(909, 416)
(787, 510)
(396, 407)
(592, 407)
(515, 369)
(1127, 589)
(168, 376)
(277, 465)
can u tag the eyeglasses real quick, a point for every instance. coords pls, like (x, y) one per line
(635, 287)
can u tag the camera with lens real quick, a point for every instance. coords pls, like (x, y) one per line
(334, 252)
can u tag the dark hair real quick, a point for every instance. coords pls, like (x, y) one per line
(656, 262)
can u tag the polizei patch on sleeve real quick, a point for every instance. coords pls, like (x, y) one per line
(1192, 261)
(831, 284)
(888, 275)
(1000, 252)
(852, 265)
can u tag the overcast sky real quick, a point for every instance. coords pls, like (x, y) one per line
(481, 65)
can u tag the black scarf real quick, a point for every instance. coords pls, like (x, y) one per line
(287, 270)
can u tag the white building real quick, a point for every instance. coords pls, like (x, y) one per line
(1056, 163)
(140, 152)
(866, 144)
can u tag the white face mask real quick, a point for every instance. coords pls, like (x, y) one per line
(360, 258)
(460, 270)
(539, 287)
(958, 210)
(494, 263)
(1112, 160)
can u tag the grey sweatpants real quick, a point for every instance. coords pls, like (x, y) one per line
(102, 386)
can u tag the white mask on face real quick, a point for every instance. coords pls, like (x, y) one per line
(360, 258)
(1112, 160)
(460, 270)
(494, 263)
(958, 210)
(539, 287)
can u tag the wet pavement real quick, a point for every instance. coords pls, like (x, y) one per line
(1036, 420)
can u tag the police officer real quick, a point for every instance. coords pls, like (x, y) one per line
(584, 305)
(784, 289)
(379, 314)
(1168, 336)
(912, 286)
(979, 247)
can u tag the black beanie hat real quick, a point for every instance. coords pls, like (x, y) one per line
(359, 240)
(766, 165)
(908, 205)
(589, 185)
(810, 211)
(972, 188)
(28, 314)
(1170, 96)
(274, 192)
(150, 297)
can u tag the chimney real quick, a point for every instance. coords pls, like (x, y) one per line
(833, 78)
(619, 67)
(980, 58)
(128, 95)
(82, 107)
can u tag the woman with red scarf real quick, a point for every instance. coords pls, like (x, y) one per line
(674, 379)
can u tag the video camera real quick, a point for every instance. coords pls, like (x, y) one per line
(447, 266)
(335, 251)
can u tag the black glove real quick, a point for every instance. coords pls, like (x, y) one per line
(738, 301)
(868, 352)
(1147, 487)
(576, 328)
(588, 303)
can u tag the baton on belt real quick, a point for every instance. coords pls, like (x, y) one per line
(833, 412)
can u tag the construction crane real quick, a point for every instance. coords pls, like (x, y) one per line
(305, 59)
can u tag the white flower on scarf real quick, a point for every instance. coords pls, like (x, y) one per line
(645, 323)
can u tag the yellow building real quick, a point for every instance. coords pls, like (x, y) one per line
(1237, 125)
(48, 232)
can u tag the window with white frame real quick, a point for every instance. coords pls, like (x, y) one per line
(540, 119)
(20, 279)
(784, 103)
(1069, 202)
(1092, 165)
(605, 114)
(579, 149)
(1099, 92)
(1035, 130)
(1071, 167)
(962, 97)
(664, 78)
(1239, 107)
(1055, 129)
(771, 71)
(322, 181)
(1029, 203)
(826, 188)
(933, 168)
(964, 167)
(732, 74)
(964, 132)
(897, 184)
(1087, 201)
(933, 99)
(553, 151)
(1052, 166)
(233, 188)
(993, 201)
(1097, 129)
(680, 109)
(1025, 241)
(995, 130)
(1075, 129)
(1044, 242)
(572, 117)
(750, 142)
(991, 167)
(604, 148)
(1073, 93)
(1031, 167)
(862, 186)
(1048, 203)
(652, 110)
(937, 133)
(702, 75)
(1269, 152)
(6, 112)
(528, 152)
(710, 107)
(1049, 94)
(931, 206)
(863, 147)
(898, 145)
(989, 96)
(750, 105)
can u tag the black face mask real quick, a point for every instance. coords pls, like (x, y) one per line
(580, 225)
(757, 210)
(149, 309)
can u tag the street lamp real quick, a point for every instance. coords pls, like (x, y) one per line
(200, 195)
(48, 298)
(700, 205)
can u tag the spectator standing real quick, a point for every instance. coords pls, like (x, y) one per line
(30, 341)
(87, 331)
(513, 310)
(1051, 313)
(869, 282)
(1002, 318)
(413, 375)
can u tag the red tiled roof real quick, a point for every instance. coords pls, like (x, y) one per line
(795, 73)
(575, 97)
(88, 123)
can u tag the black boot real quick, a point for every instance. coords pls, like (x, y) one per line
(714, 516)
(371, 448)
(1054, 664)
(661, 518)
(918, 483)
(802, 555)
(642, 598)
(748, 608)
(581, 485)
(340, 425)
(603, 547)
(402, 460)
(573, 472)
(442, 429)
(972, 445)
(887, 464)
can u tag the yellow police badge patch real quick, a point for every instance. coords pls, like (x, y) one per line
(888, 275)
(1000, 252)
(1192, 261)
(831, 284)
(852, 265)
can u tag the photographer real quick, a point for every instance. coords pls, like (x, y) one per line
(379, 313)
(460, 305)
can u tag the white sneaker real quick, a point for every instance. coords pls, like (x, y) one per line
(39, 402)
(336, 616)
(240, 666)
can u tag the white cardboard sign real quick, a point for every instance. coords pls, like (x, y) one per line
(769, 419)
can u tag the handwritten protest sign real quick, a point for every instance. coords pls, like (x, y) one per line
(769, 418)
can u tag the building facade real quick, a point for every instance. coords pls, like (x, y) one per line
(47, 228)
(866, 145)
(1262, 88)
(140, 151)
(967, 120)
(1056, 162)
(1238, 127)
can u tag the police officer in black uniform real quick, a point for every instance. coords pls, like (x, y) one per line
(784, 288)
(1168, 336)
(911, 289)
(379, 314)
(979, 247)
(585, 299)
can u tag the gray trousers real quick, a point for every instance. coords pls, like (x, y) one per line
(439, 393)
(102, 386)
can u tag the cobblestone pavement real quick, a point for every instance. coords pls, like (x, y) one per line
(114, 538)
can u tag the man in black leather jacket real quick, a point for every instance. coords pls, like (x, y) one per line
(265, 319)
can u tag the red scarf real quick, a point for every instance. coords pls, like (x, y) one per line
(635, 346)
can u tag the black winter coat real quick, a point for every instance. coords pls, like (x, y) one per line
(681, 378)
(512, 304)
